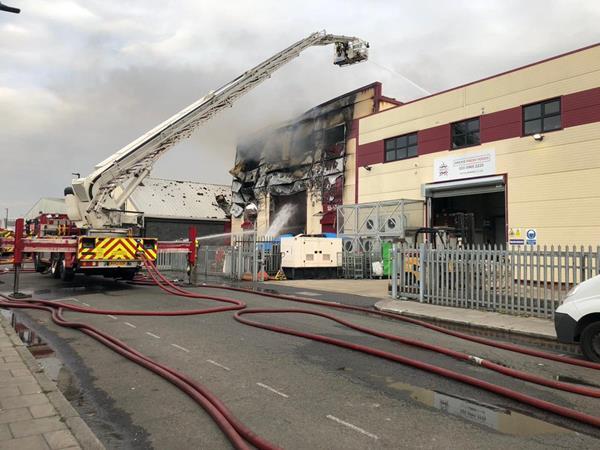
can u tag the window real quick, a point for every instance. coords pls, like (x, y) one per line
(335, 135)
(401, 147)
(544, 116)
(465, 133)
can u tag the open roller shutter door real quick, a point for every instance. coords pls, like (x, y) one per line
(464, 187)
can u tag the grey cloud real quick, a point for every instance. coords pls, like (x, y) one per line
(78, 83)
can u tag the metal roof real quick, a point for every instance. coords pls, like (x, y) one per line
(46, 205)
(173, 199)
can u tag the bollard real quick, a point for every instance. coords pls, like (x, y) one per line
(18, 259)
(192, 255)
(395, 271)
(422, 262)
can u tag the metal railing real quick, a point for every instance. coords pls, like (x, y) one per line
(171, 262)
(519, 280)
(246, 255)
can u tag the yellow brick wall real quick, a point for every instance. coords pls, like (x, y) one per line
(568, 74)
(553, 185)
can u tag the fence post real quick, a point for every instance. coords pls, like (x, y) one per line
(422, 261)
(18, 259)
(394, 270)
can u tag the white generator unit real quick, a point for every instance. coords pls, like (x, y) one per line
(310, 256)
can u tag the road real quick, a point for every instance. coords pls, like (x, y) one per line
(296, 393)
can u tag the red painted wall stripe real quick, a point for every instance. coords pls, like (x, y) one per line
(581, 108)
(434, 139)
(500, 125)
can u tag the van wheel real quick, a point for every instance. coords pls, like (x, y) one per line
(590, 342)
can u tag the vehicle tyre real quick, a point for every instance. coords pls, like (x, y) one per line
(128, 275)
(37, 264)
(55, 268)
(590, 341)
(66, 273)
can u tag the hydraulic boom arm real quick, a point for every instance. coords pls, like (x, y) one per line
(96, 201)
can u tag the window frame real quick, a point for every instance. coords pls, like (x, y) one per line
(466, 133)
(542, 116)
(405, 147)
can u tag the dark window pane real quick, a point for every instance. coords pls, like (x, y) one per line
(532, 111)
(412, 138)
(552, 107)
(458, 141)
(412, 151)
(335, 135)
(473, 125)
(401, 154)
(473, 138)
(390, 155)
(551, 123)
(533, 126)
(459, 128)
(389, 144)
(401, 141)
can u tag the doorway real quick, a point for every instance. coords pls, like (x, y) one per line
(475, 207)
(290, 213)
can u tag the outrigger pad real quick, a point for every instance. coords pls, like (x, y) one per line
(19, 295)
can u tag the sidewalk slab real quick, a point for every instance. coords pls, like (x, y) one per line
(533, 326)
(33, 412)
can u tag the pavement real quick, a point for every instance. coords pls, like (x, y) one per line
(33, 412)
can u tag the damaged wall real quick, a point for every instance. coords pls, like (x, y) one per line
(308, 154)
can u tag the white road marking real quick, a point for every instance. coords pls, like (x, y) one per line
(130, 324)
(353, 427)
(75, 300)
(180, 348)
(153, 335)
(218, 365)
(85, 304)
(111, 316)
(272, 390)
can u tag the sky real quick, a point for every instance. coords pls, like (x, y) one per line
(81, 79)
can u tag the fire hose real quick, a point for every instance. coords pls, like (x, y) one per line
(238, 434)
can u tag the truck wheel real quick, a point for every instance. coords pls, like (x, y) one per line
(37, 264)
(66, 274)
(128, 275)
(55, 268)
(590, 342)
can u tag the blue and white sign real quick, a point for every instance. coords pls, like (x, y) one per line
(531, 236)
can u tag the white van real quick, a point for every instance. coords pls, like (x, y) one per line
(577, 319)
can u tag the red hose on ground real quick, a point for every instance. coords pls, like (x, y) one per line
(235, 430)
(500, 390)
(229, 424)
(503, 345)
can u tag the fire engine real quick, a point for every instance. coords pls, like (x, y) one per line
(98, 235)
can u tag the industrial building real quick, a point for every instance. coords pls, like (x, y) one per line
(519, 152)
(304, 163)
(169, 208)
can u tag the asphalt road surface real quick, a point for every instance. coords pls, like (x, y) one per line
(297, 393)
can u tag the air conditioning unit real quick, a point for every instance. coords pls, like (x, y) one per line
(395, 224)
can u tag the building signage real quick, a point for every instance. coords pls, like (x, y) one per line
(465, 166)
(516, 236)
(531, 236)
